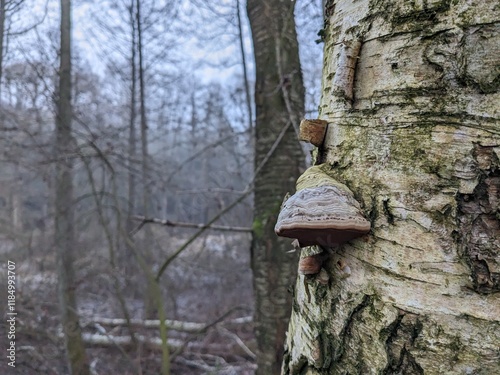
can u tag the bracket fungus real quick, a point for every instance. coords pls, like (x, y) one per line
(313, 131)
(312, 259)
(310, 265)
(322, 212)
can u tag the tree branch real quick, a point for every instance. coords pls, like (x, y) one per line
(168, 223)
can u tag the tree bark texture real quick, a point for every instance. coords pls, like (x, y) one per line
(411, 94)
(64, 205)
(132, 134)
(150, 302)
(248, 98)
(3, 9)
(278, 82)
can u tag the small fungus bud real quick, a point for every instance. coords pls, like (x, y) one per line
(344, 268)
(323, 277)
(310, 265)
(313, 131)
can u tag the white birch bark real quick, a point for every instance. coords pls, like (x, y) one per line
(419, 145)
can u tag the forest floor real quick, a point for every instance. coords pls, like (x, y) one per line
(211, 288)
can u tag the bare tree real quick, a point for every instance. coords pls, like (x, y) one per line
(8, 10)
(64, 210)
(132, 138)
(3, 9)
(246, 82)
(151, 301)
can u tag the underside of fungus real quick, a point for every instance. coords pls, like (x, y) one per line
(322, 212)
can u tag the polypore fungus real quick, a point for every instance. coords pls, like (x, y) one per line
(310, 265)
(312, 259)
(313, 131)
(322, 212)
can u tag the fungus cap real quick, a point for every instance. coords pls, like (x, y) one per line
(325, 215)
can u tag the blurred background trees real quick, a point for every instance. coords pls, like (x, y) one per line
(161, 128)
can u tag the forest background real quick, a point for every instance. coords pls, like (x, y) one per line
(161, 131)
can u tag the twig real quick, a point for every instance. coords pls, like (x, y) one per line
(142, 263)
(199, 153)
(203, 367)
(239, 341)
(208, 190)
(110, 337)
(169, 223)
(108, 235)
(204, 329)
(284, 91)
(292, 115)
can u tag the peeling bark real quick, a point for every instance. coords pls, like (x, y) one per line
(419, 146)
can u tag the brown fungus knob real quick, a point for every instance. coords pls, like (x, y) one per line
(313, 131)
(325, 215)
(312, 259)
(310, 265)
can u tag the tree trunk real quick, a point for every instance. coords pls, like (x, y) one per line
(150, 302)
(417, 140)
(278, 84)
(129, 260)
(248, 99)
(132, 137)
(2, 37)
(64, 209)
(17, 207)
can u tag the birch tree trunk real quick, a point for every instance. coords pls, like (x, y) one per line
(417, 139)
(279, 99)
(64, 206)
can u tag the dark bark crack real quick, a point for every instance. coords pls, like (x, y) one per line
(401, 335)
(387, 211)
(346, 332)
(479, 220)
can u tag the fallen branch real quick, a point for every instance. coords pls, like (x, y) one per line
(153, 343)
(242, 320)
(226, 369)
(176, 325)
(220, 319)
(155, 323)
(126, 341)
